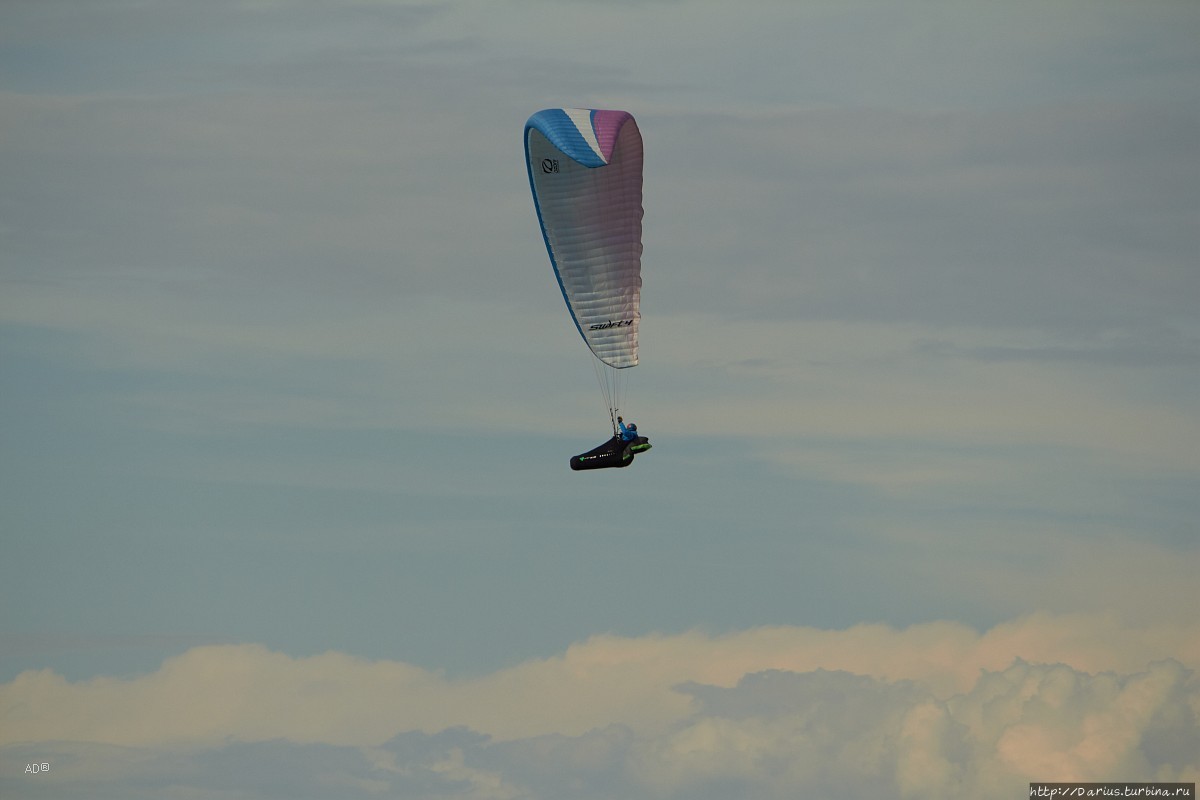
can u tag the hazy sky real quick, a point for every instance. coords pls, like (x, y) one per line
(290, 392)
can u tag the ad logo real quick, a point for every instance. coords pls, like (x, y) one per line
(603, 326)
(549, 165)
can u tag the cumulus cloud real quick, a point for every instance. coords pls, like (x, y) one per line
(934, 710)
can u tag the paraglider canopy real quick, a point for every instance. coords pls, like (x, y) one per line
(585, 171)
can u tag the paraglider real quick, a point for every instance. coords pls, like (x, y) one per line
(585, 172)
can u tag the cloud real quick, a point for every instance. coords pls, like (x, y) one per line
(844, 735)
(929, 710)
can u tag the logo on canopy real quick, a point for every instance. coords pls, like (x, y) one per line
(603, 326)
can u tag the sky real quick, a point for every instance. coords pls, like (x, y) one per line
(290, 393)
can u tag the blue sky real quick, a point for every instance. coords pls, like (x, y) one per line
(291, 393)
